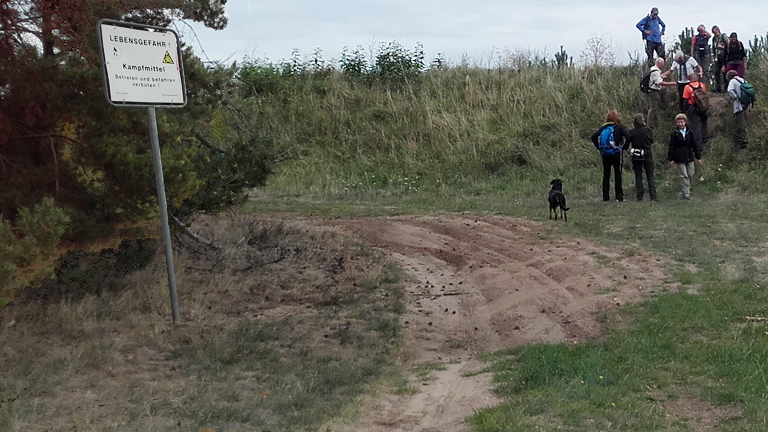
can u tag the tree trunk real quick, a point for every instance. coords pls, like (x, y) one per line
(46, 8)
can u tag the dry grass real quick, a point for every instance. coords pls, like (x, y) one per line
(282, 326)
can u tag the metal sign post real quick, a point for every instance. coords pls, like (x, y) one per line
(163, 211)
(141, 67)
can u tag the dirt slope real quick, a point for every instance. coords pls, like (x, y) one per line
(480, 284)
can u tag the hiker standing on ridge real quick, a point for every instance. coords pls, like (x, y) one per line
(656, 81)
(693, 94)
(719, 42)
(652, 28)
(684, 66)
(739, 111)
(735, 55)
(700, 50)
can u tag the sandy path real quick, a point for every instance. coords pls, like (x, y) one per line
(481, 284)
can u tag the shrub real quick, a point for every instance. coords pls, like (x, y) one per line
(354, 64)
(256, 79)
(45, 223)
(79, 273)
(396, 65)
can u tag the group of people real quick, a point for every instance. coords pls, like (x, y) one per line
(689, 138)
(683, 153)
(728, 53)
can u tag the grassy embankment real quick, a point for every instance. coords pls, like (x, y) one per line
(488, 142)
(461, 139)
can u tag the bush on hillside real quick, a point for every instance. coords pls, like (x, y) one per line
(79, 273)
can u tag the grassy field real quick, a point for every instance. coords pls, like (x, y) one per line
(695, 349)
(698, 354)
(282, 327)
(285, 326)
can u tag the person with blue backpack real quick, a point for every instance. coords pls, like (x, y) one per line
(609, 140)
(652, 28)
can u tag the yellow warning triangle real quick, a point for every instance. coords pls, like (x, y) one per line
(167, 58)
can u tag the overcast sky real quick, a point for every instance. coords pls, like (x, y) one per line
(479, 30)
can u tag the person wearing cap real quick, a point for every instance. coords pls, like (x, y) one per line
(652, 28)
(683, 66)
(735, 55)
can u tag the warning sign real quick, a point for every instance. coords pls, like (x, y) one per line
(141, 65)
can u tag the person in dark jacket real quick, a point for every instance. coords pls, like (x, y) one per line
(640, 145)
(612, 157)
(683, 153)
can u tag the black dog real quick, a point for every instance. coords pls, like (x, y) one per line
(557, 200)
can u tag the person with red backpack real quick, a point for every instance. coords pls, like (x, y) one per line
(697, 109)
(735, 55)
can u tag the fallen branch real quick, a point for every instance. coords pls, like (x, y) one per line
(259, 264)
(194, 236)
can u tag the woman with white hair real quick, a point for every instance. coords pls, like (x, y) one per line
(683, 66)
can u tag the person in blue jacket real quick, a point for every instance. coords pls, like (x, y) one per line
(652, 28)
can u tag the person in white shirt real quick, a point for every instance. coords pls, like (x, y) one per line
(739, 111)
(654, 94)
(683, 65)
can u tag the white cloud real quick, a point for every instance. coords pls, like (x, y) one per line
(477, 29)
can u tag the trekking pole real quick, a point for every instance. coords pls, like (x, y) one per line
(621, 159)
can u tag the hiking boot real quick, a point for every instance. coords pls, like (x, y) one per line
(686, 196)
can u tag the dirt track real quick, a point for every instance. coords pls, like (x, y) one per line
(481, 284)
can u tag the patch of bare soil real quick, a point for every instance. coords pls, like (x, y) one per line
(481, 284)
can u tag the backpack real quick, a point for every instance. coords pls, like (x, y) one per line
(645, 82)
(748, 93)
(701, 44)
(607, 143)
(646, 26)
(700, 99)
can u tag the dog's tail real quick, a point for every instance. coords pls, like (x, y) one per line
(563, 207)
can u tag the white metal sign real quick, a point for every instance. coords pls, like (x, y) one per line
(141, 65)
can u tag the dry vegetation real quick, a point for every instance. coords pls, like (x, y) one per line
(275, 319)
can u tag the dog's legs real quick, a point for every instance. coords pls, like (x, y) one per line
(565, 215)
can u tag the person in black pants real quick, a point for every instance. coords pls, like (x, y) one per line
(640, 150)
(611, 146)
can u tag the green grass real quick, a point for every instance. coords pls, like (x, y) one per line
(283, 346)
(459, 140)
(693, 347)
